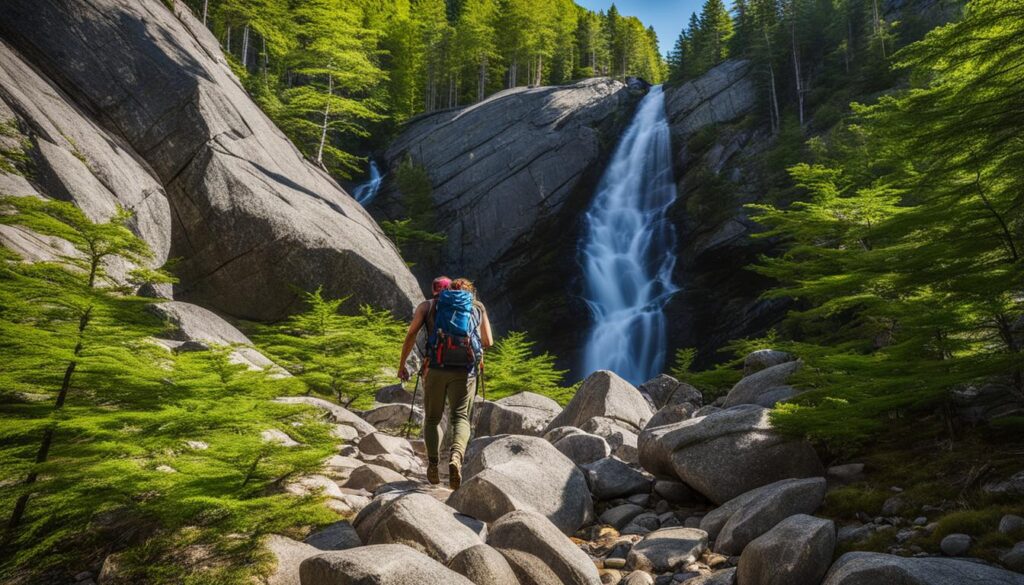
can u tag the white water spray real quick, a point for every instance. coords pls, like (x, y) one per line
(365, 192)
(628, 252)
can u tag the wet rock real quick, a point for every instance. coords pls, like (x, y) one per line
(612, 478)
(739, 521)
(868, 568)
(381, 564)
(727, 453)
(605, 394)
(525, 413)
(797, 551)
(668, 549)
(518, 472)
(538, 553)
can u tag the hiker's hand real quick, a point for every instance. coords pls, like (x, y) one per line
(403, 373)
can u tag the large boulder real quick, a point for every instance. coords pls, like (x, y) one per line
(483, 565)
(538, 553)
(739, 521)
(760, 359)
(668, 549)
(665, 390)
(868, 568)
(524, 413)
(611, 478)
(253, 222)
(621, 438)
(765, 387)
(288, 555)
(726, 453)
(421, 522)
(381, 564)
(335, 413)
(517, 472)
(605, 394)
(797, 551)
(193, 326)
(724, 93)
(74, 158)
(582, 447)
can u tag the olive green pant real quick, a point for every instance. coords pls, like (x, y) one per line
(458, 388)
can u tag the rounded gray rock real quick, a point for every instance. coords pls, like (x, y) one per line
(868, 568)
(797, 551)
(538, 553)
(483, 565)
(380, 564)
(611, 478)
(583, 448)
(668, 549)
(955, 545)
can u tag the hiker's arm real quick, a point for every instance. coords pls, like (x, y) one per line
(486, 338)
(418, 318)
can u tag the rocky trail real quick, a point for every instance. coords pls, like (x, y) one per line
(624, 485)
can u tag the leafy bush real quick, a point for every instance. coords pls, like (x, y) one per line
(108, 439)
(347, 357)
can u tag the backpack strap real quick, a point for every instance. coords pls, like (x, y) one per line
(431, 317)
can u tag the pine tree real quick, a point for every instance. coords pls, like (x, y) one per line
(511, 367)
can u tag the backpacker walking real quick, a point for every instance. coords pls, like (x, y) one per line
(458, 331)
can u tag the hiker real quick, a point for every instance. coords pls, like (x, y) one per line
(458, 331)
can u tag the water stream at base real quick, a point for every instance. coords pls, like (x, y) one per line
(365, 192)
(628, 250)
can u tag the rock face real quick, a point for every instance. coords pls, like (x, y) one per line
(538, 553)
(605, 394)
(718, 165)
(797, 551)
(518, 472)
(524, 413)
(207, 170)
(508, 177)
(382, 564)
(866, 568)
(726, 453)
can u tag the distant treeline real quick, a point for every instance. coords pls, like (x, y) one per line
(327, 69)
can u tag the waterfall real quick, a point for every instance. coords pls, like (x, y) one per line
(628, 250)
(365, 192)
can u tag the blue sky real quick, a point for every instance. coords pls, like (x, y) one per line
(667, 16)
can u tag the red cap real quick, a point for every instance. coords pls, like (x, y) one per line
(440, 283)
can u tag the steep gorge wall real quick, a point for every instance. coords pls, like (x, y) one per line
(509, 178)
(129, 102)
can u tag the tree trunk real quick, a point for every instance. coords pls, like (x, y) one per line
(44, 447)
(796, 72)
(327, 117)
(776, 121)
(245, 47)
(206, 10)
(481, 82)
(229, 40)
(877, 22)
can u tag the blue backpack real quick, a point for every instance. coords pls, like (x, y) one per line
(453, 339)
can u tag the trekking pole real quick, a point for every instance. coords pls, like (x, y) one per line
(412, 407)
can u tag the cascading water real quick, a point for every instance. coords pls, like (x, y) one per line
(628, 252)
(365, 192)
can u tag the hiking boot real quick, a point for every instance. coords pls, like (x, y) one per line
(455, 472)
(433, 476)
